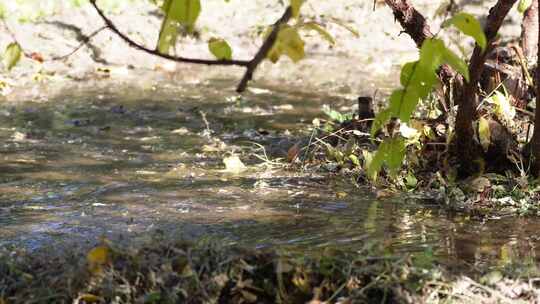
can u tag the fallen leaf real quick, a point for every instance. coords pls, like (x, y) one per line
(233, 164)
(88, 298)
(97, 258)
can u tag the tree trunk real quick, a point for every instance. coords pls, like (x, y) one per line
(529, 33)
(535, 141)
(467, 150)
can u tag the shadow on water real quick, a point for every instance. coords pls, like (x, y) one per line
(97, 162)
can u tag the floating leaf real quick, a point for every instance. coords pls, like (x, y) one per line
(295, 6)
(233, 164)
(319, 29)
(524, 5)
(220, 49)
(484, 133)
(469, 26)
(12, 55)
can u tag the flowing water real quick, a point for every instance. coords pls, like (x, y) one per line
(124, 163)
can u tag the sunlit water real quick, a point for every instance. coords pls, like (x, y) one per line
(124, 164)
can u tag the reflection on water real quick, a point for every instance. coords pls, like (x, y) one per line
(123, 164)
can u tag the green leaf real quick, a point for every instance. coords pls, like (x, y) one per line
(407, 71)
(177, 12)
(484, 133)
(319, 29)
(375, 165)
(395, 155)
(392, 152)
(431, 54)
(381, 119)
(354, 159)
(419, 76)
(469, 26)
(457, 63)
(187, 12)
(12, 55)
(220, 49)
(403, 103)
(524, 5)
(295, 6)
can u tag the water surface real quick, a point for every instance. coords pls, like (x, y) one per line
(125, 163)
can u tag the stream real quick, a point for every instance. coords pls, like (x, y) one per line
(124, 163)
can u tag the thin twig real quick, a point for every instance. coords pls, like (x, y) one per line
(12, 35)
(83, 43)
(263, 51)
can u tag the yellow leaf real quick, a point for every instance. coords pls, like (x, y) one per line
(88, 298)
(12, 55)
(295, 6)
(503, 107)
(97, 257)
(319, 29)
(484, 133)
(288, 42)
(233, 164)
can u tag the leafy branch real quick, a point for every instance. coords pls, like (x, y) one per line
(250, 65)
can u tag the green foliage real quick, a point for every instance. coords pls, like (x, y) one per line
(335, 115)
(469, 26)
(177, 13)
(391, 152)
(12, 55)
(418, 78)
(220, 49)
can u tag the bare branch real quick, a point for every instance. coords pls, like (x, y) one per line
(143, 48)
(415, 25)
(263, 51)
(83, 43)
